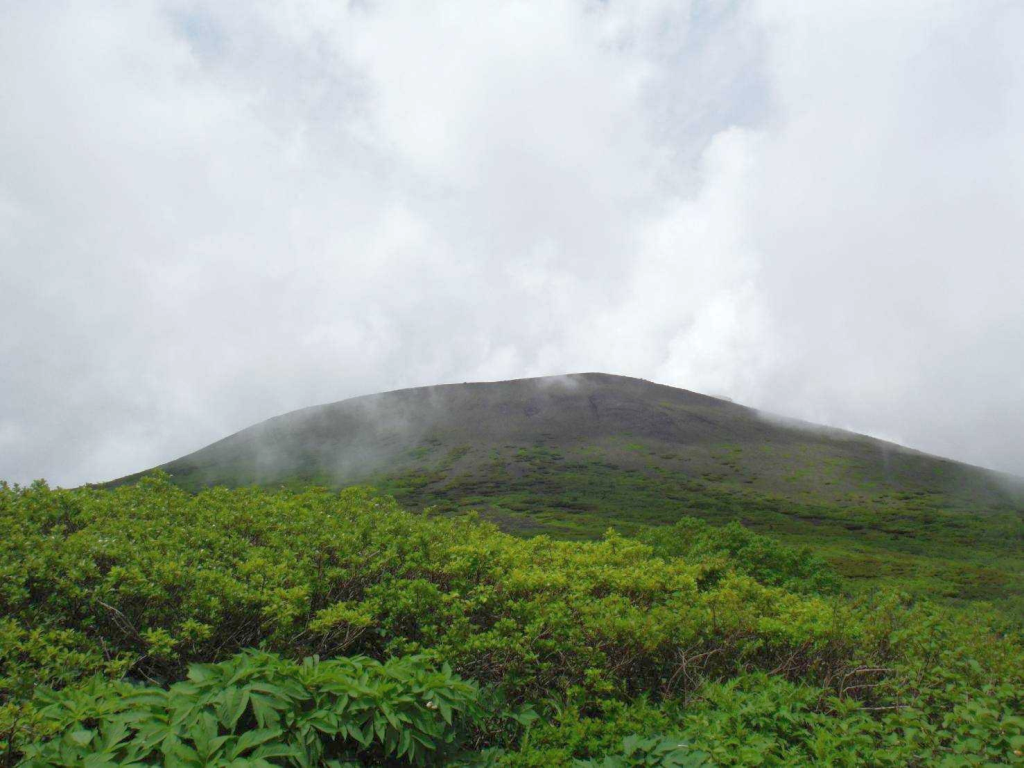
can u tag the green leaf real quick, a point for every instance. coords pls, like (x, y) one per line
(233, 706)
(253, 738)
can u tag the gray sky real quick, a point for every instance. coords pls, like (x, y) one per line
(214, 212)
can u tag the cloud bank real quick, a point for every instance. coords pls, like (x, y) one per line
(211, 213)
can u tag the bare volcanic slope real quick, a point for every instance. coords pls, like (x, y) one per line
(571, 456)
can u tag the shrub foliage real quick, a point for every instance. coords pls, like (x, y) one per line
(130, 617)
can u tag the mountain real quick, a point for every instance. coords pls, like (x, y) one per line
(460, 433)
(573, 455)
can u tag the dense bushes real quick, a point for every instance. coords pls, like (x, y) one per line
(165, 579)
(690, 636)
(766, 560)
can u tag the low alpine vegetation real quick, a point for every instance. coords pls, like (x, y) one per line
(131, 619)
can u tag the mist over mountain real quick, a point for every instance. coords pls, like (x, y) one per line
(236, 210)
(463, 432)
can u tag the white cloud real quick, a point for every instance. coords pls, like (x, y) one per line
(214, 212)
(889, 222)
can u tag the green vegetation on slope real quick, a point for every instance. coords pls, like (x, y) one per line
(692, 645)
(924, 542)
(572, 456)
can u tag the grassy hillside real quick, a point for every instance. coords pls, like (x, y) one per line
(571, 456)
(131, 620)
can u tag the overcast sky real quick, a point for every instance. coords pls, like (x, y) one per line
(214, 212)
